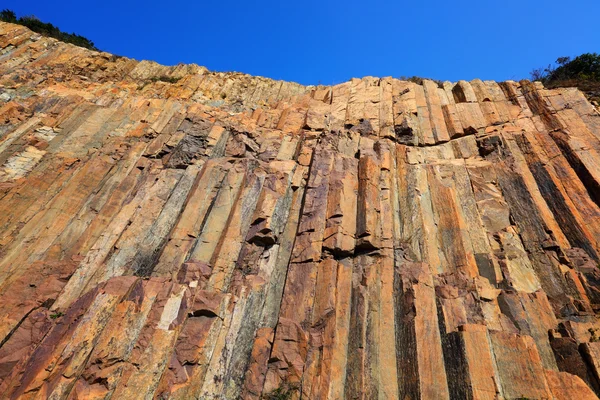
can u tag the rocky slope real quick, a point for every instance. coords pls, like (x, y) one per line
(168, 232)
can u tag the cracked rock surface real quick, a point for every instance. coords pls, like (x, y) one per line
(175, 233)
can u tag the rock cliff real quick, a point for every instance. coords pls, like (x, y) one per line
(170, 232)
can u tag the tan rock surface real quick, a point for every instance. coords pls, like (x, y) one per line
(171, 232)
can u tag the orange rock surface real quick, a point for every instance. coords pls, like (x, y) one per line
(175, 233)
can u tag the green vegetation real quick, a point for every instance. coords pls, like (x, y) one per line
(46, 29)
(582, 72)
(585, 67)
(56, 315)
(593, 336)
(284, 392)
(164, 78)
(419, 80)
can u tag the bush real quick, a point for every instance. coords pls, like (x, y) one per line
(8, 16)
(284, 392)
(164, 78)
(56, 315)
(46, 29)
(419, 80)
(585, 67)
(582, 72)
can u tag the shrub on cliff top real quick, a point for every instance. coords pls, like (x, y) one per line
(582, 72)
(46, 29)
(419, 80)
(8, 16)
(584, 67)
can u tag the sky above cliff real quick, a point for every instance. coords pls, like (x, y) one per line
(330, 42)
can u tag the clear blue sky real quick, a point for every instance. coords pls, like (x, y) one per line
(329, 42)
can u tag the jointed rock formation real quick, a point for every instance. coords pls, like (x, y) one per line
(168, 232)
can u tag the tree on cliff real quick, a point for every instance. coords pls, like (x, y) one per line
(46, 29)
(8, 16)
(582, 72)
(584, 67)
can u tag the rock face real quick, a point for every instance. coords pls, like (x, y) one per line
(168, 232)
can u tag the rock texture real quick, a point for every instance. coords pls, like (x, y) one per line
(169, 232)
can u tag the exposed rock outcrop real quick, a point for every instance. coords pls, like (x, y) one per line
(169, 232)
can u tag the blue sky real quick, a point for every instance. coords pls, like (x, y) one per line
(330, 42)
